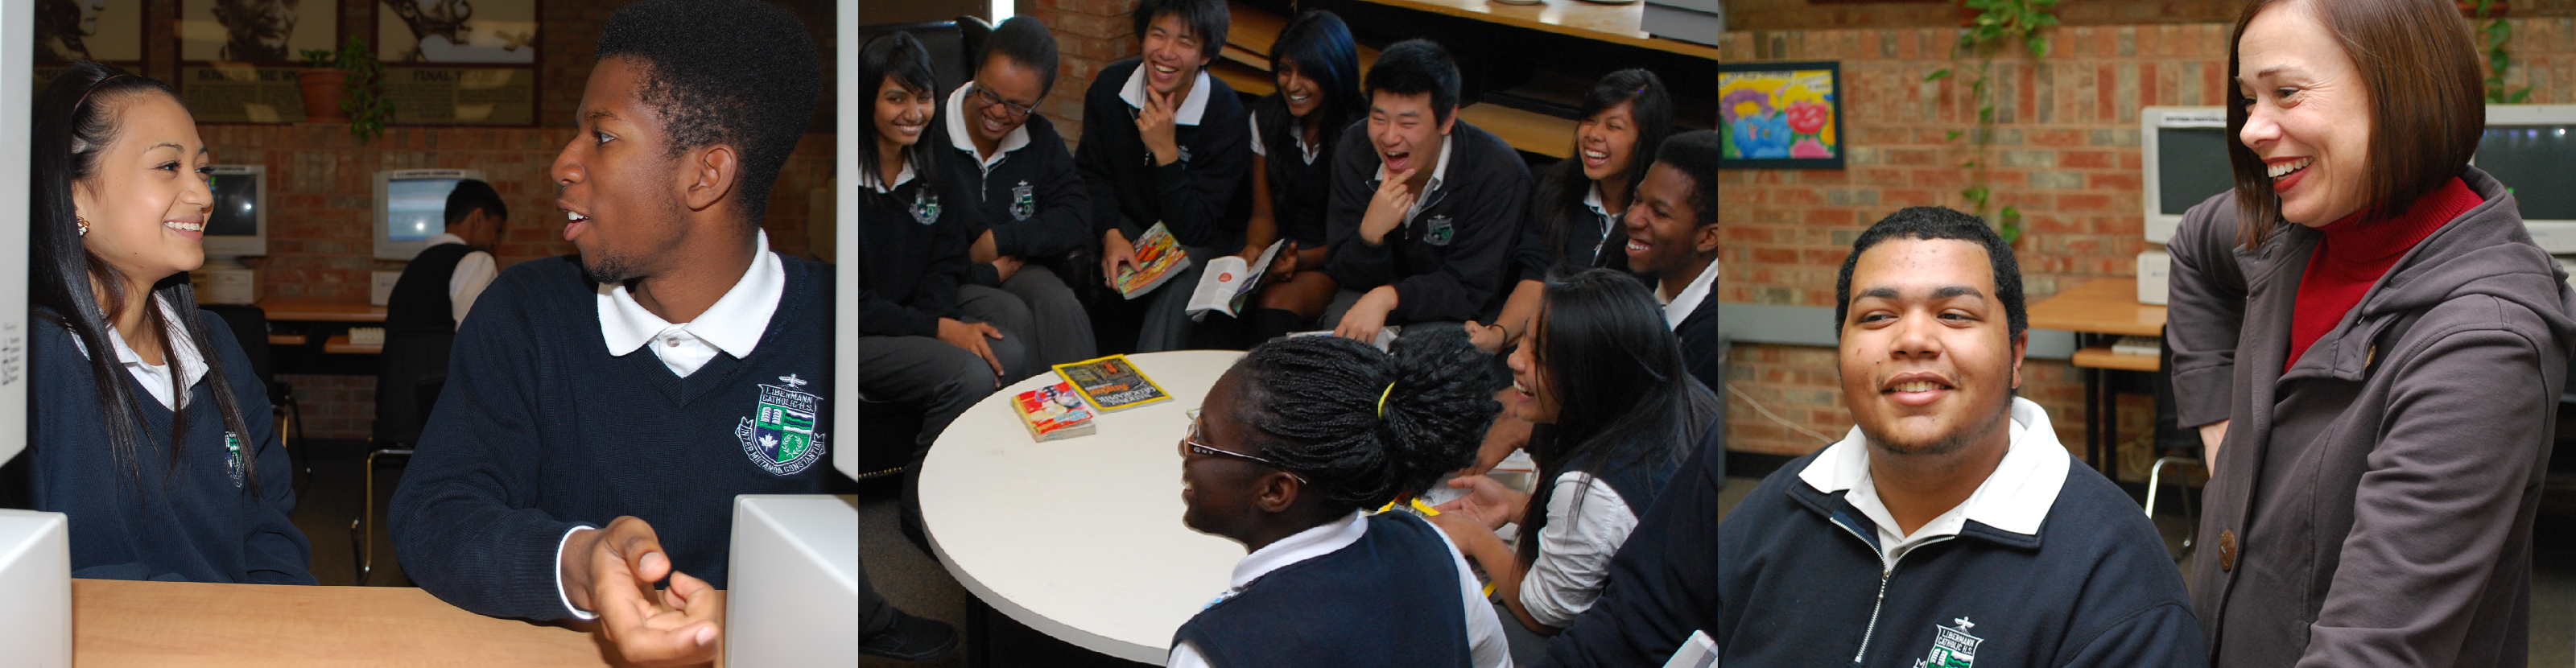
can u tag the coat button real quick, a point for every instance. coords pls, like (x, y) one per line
(2227, 550)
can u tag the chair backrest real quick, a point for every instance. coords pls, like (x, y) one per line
(424, 396)
(250, 326)
(951, 43)
(409, 356)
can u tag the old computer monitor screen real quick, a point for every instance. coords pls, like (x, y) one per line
(411, 207)
(2185, 150)
(238, 225)
(2532, 150)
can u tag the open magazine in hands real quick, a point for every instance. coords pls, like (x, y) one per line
(1229, 282)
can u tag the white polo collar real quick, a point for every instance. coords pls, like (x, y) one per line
(442, 239)
(191, 362)
(1439, 175)
(2015, 498)
(957, 129)
(1678, 307)
(734, 324)
(868, 179)
(1192, 107)
(1321, 540)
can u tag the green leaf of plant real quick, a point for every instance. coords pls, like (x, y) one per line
(2038, 47)
(2518, 96)
(1937, 75)
(1954, 135)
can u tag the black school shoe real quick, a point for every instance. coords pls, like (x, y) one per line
(911, 639)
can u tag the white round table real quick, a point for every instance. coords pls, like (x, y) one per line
(1080, 538)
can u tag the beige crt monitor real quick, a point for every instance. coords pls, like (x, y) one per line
(793, 598)
(35, 548)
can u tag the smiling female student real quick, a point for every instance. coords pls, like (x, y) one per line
(1294, 132)
(145, 426)
(1603, 377)
(1291, 450)
(1575, 222)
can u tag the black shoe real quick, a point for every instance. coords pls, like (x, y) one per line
(911, 639)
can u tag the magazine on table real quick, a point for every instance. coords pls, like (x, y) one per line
(1111, 383)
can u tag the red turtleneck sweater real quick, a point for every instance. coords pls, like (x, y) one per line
(2355, 253)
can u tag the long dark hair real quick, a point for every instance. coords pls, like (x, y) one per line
(1562, 189)
(1368, 427)
(899, 57)
(75, 121)
(1624, 397)
(1320, 47)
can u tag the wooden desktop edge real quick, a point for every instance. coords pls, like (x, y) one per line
(130, 623)
(1454, 8)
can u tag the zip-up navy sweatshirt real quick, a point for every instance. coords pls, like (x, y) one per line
(1795, 577)
(1198, 197)
(203, 524)
(540, 429)
(1447, 263)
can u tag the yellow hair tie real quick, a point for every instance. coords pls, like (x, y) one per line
(1381, 400)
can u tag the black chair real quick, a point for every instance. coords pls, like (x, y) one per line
(425, 397)
(2181, 448)
(411, 370)
(952, 46)
(249, 325)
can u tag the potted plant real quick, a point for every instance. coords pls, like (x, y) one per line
(346, 86)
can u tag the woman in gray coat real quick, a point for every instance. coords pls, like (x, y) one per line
(2375, 347)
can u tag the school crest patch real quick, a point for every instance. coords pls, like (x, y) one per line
(1024, 201)
(1952, 647)
(925, 207)
(1439, 231)
(233, 457)
(780, 437)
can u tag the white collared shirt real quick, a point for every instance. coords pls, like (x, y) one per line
(1017, 139)
(1575, 547)
(2015, 497)
(1486, 646)
(1439, 174)
(1677, 308)
(1609, 221)
(1192, 107)
(869, 178)
(733, 325)
(1310, 151)
(156, 377)
(473, 273)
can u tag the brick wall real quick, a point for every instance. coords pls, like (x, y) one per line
(1812, 15)
(1089, 35)
(2066, 153)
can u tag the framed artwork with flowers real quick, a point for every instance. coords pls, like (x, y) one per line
(1781, 115)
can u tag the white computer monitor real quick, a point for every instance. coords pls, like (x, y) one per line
(845, 240)
(17, 99)
(2525, 146)
(2531, 148)
(411, 207)
(238, 225)
(792, 599)
(35, 588)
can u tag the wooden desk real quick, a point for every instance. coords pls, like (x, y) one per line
(118, 623)
(1525, 130)
(340, 345)
(1622, 24)
(310, 309)
(2098, 310)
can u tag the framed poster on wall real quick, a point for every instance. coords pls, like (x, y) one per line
(456, 31)
(238, 58)
(108, 31)
(1780, 115)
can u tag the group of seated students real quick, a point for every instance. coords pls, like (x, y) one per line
(565, 473)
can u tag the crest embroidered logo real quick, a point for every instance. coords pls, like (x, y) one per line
(233, 457)
(1024, 201)
(780, 438)
(1439, 231)
(925, 207)
(1952, 647)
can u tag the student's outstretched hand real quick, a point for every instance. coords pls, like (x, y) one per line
(973, 336)
(1487, 501)
(612, 571)
(1362, 322)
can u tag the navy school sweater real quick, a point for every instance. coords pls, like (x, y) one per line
(192, 520)
(1032, 201)
(1789, 580)
(1449, 262)
(913, 242)
(540, 429)
(1199, 197)
(1390, 599)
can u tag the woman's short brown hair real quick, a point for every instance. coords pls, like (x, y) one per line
(2427, 103)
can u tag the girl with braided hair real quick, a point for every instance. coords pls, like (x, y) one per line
(1292, 450)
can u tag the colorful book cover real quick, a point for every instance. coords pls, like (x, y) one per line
(1158, 259)
(1054, 412)
(1112, 383)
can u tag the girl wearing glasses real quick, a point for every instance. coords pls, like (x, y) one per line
(1028, 206)
(1292, 449)
(1293, 132)
(146, 425)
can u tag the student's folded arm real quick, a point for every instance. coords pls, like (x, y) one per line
(879, 316)
(1353, 262)
(1062, 222)
(1663, 581)
(1198, 193)
(276, 552)
(2165, 635)
(2206, 311)
(2469, 423)
(1093, 161)
(462, 520)
(1479, 258)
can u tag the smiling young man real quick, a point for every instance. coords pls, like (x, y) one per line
(1672, 243)
(1948, 528)
(1425, 207)
(1163, 142)
(601, 403)
(1029, 201)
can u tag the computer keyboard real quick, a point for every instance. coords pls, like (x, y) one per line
(2139, 345)
(367, 336)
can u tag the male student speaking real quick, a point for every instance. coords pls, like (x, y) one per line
(602, 410)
